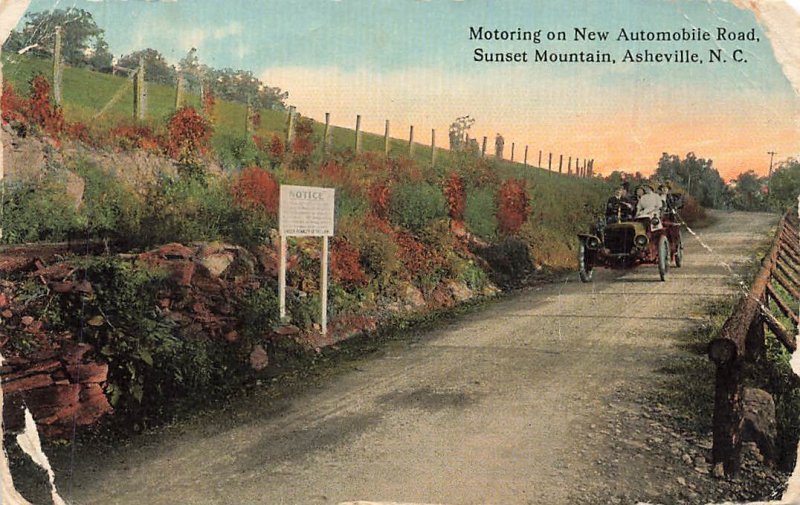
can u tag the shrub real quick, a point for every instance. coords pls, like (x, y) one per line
(257, 188)
(150, 364)
(513, 206)
(415, 205)
(480, 213)
(40, 111)
(260, 311)
(456, 196)
(39, 211)
(186, 210)
(345, 264)
(235, 152)
(379, 199)
(13, 109)
(302, 145)
(109, 208)
(35, 111)
(128, 137)
(189, 136)
(373, 238)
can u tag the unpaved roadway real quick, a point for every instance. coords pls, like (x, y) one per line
(506, 405)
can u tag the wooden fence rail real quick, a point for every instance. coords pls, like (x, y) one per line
(742, 337)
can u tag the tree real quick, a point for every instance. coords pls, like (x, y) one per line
(458, 131)
(79, 34)
(785, 185)
(697, 175)
(156, 68)
(748, 191)
(101, 58)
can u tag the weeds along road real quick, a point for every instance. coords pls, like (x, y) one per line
(500, 406)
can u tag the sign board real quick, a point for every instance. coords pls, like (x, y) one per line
(306, 211)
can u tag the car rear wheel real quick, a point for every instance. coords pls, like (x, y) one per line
(585, 270)
(679, 252)
(663, 257)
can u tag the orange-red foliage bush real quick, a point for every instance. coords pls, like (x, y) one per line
(276, 147)
(257, 188)
(13, 106)
(417, 259)
(189, 135)
(303, 142)
(37, 110)
(513, 206)
(456, 195)
(379, 199)
(345, 264)
(79, 131)
(134, 137)
(41, 111)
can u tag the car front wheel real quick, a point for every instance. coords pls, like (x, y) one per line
(663, 257)
(585, 269)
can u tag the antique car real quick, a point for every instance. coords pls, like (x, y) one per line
(632, 242)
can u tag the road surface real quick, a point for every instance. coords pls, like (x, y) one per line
(501, 406)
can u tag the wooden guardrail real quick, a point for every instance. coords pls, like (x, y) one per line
(742, 337)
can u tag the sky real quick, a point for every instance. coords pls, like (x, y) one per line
(411, 62)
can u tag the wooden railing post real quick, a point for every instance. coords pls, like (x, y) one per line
(728, 415)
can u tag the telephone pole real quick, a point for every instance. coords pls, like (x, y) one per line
(769, 178)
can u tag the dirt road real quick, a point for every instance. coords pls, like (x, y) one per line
(512, 404)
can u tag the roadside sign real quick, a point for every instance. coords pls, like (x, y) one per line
(306, 211)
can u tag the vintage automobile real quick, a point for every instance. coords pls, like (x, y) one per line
(626, 244)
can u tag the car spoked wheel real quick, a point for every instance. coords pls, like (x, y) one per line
(663, 257)
(585, 270)
(679, 252)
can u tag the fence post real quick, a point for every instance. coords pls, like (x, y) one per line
(728, 415)
(540, 158)
(512, 152)
(433, 147)
(139, 94)
(569, 166)
(326, 134)
(358, 133)
(247, 121)
(411, 141)
(386, 140)
(577, 167)
(179, 83)
(483, 149)
(290, 127)
(583, 172)
(526, 157)
(58, 68)
(560, 162)
(550, 162)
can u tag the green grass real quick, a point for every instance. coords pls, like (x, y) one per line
(86, 93)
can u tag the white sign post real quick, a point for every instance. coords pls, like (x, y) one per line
(306, 211)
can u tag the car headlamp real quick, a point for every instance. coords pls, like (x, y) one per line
(640, 240)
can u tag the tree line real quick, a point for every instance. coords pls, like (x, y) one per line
(748, 191)
(84, 46)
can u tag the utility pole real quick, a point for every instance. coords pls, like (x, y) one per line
(769, 178)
